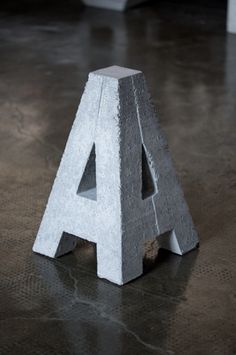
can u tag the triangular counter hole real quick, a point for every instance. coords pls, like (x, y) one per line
(148, 187)
(88, 186)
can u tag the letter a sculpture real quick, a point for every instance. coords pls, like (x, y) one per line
(116, 185)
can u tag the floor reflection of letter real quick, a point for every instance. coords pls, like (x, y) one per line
(99, 317)
(230, 64)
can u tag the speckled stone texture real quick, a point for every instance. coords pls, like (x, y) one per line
(116, 185)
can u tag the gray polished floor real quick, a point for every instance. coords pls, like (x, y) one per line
(181, 305)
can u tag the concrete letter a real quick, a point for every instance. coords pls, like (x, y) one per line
(116, 185)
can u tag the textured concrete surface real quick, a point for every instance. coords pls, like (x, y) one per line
(116, 185)
(182, 305)
(231, 16)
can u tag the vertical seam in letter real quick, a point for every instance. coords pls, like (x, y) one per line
(155, 177)
(99, 107)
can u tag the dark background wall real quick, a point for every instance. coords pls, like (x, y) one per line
(19, 5)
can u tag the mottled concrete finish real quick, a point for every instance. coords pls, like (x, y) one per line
(181, 305)
(130, 193)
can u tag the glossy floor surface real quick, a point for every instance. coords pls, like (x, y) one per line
(180, 305)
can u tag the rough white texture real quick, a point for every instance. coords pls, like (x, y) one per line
(231, 16)
(116, 185)
(119, 5)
